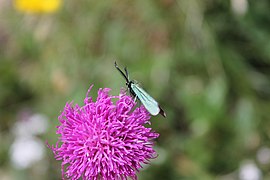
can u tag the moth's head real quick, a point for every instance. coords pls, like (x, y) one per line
(129, 83)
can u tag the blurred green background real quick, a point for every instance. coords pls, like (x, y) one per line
(206, 62)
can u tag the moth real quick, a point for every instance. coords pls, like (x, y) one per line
(136, 91)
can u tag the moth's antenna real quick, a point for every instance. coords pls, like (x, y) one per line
(126, 73)
(123, 74)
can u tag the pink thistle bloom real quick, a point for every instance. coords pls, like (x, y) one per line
(104, 140)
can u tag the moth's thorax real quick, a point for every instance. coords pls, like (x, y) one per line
(129, 84)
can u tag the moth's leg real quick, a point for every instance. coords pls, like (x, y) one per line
(135, 98)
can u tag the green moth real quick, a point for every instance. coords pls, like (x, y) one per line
(149, 103)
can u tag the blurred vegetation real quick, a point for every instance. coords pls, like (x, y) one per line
(206, 62)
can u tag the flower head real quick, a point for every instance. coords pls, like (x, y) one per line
(104, 140)
(37, 6)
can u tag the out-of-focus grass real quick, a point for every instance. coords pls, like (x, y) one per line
(206, 63)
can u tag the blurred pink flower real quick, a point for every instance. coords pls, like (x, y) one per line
(104, 140)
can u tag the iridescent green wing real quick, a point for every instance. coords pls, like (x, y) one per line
(149, 103)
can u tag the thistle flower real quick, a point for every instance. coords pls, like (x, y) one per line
(104, 140)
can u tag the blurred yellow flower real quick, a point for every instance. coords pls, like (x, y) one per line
(37, 6)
